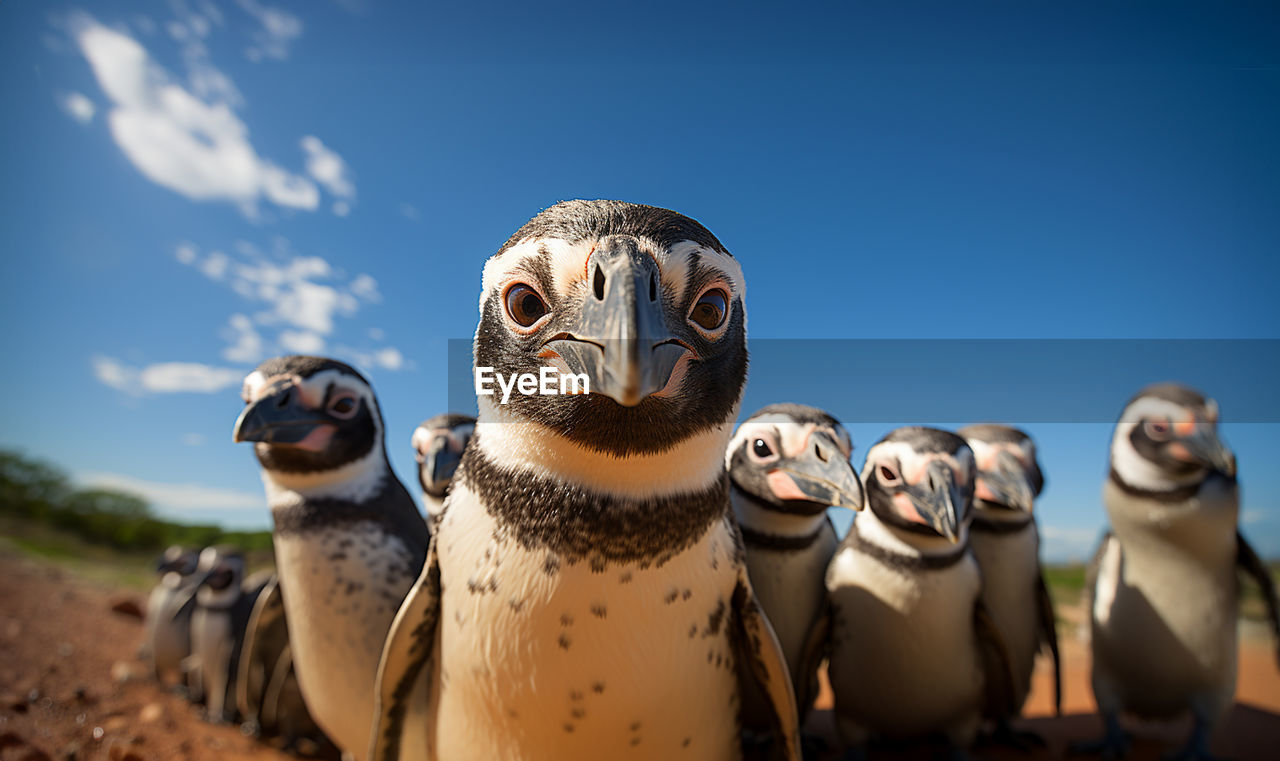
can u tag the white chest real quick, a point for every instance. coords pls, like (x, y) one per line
(542, 658)
(342, 587)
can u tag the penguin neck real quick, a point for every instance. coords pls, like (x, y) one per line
(433, 504)
(519, 445)
(870, 529)
(218, 599)
(357, 481)
(757, 516)
(994, 519)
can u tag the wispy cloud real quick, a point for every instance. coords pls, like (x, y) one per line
(1255, 515)
(409, 212)
(245, 343)
(193, 439)
(277, 30)
(327, 168)
(185, 138)
(1067, 543)
(164, 377)
(175, 497)
(77, 106)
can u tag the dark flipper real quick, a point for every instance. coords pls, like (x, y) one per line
(816, 648)
(408, 649)
(757, 646)
(999, 692)
(1049, 636)
(1250, 563)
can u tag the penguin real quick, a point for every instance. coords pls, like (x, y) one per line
(224, 601)
(586, 596)
(1162, 590)
(267, 694)
(787, 464)
(437, 446)
(168, 617)
(349, 540)
(1006, 544)
(914, 652)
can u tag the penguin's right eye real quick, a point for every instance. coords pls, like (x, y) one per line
(761, 448)
(524, 305)
(888, 476)
(1158, 429)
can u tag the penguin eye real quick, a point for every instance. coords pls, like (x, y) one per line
(343, 407)
(761, 448)
(888, 474)
(710, 310)
(1158, 429)
(524, 305)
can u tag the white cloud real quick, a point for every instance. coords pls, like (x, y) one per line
(377, 334)
(78, 107)
(278, 29)
(386, 358)
(1249, 517)
(215, 265)
(409, 212)
(389, 358)
(366, 288)
(193, 439)
(301, 342)
(327, 167)
(193, 144)
(246, 344)
(185, 253)
(1068, 543)
(178, 497)
(164, 377)
(341, 208)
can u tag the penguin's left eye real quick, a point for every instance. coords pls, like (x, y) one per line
(524, 305)
(343, 406)
(710, 310)
(1158, 429)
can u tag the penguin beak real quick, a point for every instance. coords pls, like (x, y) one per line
(823, 475)
(278, 418)
(439, 463)
(1206, 448)
(621, 341)
(1009, 484)
(937, 498)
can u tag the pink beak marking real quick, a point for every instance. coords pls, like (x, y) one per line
(784, 487)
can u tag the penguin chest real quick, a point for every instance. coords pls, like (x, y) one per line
(1010, 567)
(342, 587)
(541, 656)
(788, 586)
(904, 655)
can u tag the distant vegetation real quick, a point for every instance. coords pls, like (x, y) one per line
(32, 491)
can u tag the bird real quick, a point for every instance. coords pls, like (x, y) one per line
(267, 695)
(787, 464)
(438, 443)
(349, 540)
(168, 616)
(224, 601)
(1006, 544)
(914, 652)
(586, 596)
(1163, 587)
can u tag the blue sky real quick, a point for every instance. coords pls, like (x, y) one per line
(190, 186)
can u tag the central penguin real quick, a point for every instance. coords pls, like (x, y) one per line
(586, 595)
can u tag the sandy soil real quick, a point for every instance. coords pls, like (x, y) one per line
(71, 689)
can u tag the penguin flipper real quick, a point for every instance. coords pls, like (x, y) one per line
(1049, 635)
(255, 662)
(408, 649)
(1091, 574)
(999, 692)
(757, 646)
(1250, 563)
(816, 647)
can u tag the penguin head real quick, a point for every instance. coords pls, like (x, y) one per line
(220, 570)
(177, 560)
(437, 446)
(794, 460)
(1009, 476)
(1166, 437)
(314, 422)
(644, 303)
(921, 480)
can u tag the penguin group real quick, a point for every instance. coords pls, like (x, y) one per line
(619, 573)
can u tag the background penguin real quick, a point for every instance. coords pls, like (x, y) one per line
(223, 603)
(1163, 588)
(169, 608)
(788, 463)
(913, 651)
(349, 540)
(437, 446)
(1005, 542)
(586, 596)
(267, 693)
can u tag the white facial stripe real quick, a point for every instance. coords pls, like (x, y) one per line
(912, 464)
(1151, 407)
(516, 443)
(1134, 469)
(985, 452)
